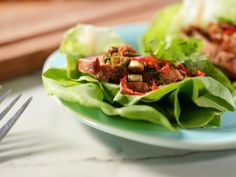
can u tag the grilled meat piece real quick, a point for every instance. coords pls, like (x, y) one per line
(127, 50)
(138, 86)
(99, 70)
(171, 75)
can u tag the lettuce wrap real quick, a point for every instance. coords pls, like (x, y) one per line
(191, 103)
(168, 24)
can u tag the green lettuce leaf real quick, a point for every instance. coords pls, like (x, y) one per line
(86, 40)
(226, 20)
(193, 102)
(207, 67)
(159, 28)
(91, 95)
(177, 50)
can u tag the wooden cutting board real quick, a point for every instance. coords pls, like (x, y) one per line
(31, 30)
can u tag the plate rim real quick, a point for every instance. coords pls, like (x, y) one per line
(159, 141)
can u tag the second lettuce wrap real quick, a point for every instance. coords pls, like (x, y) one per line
(167, 26)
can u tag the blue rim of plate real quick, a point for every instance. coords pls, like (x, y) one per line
(223, 137)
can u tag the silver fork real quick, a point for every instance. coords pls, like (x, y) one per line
(9, 124)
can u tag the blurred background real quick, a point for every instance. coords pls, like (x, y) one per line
(30, 30)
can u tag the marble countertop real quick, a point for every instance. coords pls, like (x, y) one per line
(46, 142)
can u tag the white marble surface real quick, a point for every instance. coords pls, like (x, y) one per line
(46, 142)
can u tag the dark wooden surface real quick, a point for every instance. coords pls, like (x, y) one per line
(31, 30)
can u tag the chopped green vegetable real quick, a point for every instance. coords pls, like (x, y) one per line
(177, 50)
(226, 20)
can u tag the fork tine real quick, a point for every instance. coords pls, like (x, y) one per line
(5, 111)
(8, 125)
(2, 97)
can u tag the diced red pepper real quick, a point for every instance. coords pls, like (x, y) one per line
(125, 89)
(165, 68)
(146, 59)
(230, 31)
(154, 85)
(200, 73)
(183, 68)
(149, 60)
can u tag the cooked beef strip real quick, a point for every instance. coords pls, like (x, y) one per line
(171, 75)
(127, 50)
(99, 70)
(137, 86)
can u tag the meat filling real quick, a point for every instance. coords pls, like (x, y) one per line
(136, 74)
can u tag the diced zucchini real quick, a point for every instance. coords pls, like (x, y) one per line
(135, 77)
(136, 66)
